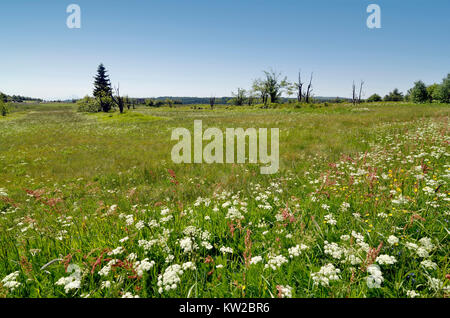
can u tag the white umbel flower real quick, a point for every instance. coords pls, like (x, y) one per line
(10, 281)
(376, 276)
(325, 275)
(386, 260)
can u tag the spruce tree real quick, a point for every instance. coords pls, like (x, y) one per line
(102, 88)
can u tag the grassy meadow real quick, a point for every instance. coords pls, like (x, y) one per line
(91, 205)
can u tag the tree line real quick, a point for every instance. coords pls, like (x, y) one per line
(419, 93)
(266, 90)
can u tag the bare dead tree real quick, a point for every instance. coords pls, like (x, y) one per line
(353, 93)
(360, 91)
(117, 99)
(212, 102)
(299, 87)
(309, 89)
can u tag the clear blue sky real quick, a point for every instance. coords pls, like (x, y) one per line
(209, 47)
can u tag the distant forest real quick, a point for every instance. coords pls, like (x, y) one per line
(225, 100)
(219, 100)
(20, 99)
(176, 100)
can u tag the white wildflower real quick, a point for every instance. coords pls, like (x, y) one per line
(376, 276)
(275, 261)
(256, 260)
(325, 275)
(117, 251)
(225, 250)
(412, 294)
(429, 264)
(386, 260)
(392, 240)
(143, 266)
(296, 250)
(285, 291)
(10, 281)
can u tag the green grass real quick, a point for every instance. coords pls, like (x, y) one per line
(126, 117)
(70, 180)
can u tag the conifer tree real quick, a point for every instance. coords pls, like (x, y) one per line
(102, 88)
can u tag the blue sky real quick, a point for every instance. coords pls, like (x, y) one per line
(209, 47)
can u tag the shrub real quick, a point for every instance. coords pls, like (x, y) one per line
(394, 96)
(374, 98)
(3, 108)
(88, 105)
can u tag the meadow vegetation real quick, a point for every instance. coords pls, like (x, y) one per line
(91, 204)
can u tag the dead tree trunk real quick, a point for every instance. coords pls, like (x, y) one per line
(353, 94)
(360, 92)
(309, 89)
(299, 87)
(118, 100)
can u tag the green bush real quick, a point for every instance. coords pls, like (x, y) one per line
(88, 105)
(394, 96)
(374, 98)
(3, 108)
